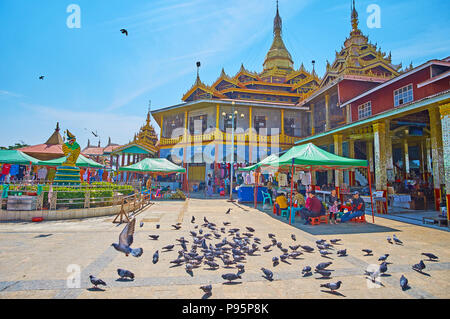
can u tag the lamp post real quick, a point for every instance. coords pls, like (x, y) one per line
(232, 116)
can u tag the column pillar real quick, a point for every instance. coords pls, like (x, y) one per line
(389, 158)
(445, 124)
(250, 135)
(185, 140)
(369, 154)
(351, 173)
(216, 139)
(436, 153)
(339, 176)
(282, 126)
(406, 157)
(312, 119)
(379, 139)
(327, 112)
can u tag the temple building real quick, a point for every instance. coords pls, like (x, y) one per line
(144, 144)
(262, 107)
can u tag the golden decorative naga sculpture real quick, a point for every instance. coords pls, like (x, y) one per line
(71, 150)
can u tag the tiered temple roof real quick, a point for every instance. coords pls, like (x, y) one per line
(359, 57)
(278, 81)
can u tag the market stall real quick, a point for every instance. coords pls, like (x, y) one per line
(155, 166)
(309, 157)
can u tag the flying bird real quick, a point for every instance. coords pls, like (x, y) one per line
(123, 273)
(124, 31)
(96, 281)
(126, 239)
(41, 77)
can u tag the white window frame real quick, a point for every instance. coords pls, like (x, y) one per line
(403, 95)
(362, 110)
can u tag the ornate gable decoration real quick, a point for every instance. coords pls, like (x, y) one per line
(360, 57)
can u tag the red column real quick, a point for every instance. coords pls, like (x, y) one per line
(437, 198)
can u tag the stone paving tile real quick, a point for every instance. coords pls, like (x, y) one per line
(32, 265)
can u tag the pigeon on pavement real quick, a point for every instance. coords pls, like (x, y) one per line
(228, 211)
(322, 266)
(123, 273)
(293, 237)
(403, 282)
(324, 273)
(207, 289)
(96, 281)
(389, 240)
(193, 220)
(154, 237)
(430, 256)
(169, 247)
(332, 286)
(396, 240)
(141, 224)
(126, 239)
(231, 277)
(342, 252)
(334, 241)
(267, 273)
(155, 257)
(368, 252)
(419, 267)
(384, 257)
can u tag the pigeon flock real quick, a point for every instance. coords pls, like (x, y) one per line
(216, 247)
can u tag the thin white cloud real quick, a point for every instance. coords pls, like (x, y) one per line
(9, 94)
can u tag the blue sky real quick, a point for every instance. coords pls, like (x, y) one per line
(98, 79)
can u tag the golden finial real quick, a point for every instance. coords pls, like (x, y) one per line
(354, 18)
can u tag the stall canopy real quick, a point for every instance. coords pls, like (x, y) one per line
(16, 157)
(271, 161)
(82, 161)
(154, 165)
(309, 156)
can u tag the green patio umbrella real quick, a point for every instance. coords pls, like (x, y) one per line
(154, 165)
(82, 161)
(16, 157)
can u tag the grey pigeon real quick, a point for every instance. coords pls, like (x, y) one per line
(154, 237)
(123, 273)
(306, 269)
(207, 289)
(226, 223)
(430, 256)
(177, 227)
(193, 220)
(141, 224)
(389, 240)
(396, 240)
(155, 257)
(342, 252)
(307, 248)
(250, 229)
(96, 281)
(228, 211)
(294, 247)
(271, 235)
(324, 273)
(231, 277)
(126, 239)
(334, 241)
(268, 274)
(332, 286)
(403, 282)
(383, 267)
(322, 266)
(157, 226)
(169, 247)
(419, 267)
(384, 257)
(367, 251)
(293, 237)
(324, 252)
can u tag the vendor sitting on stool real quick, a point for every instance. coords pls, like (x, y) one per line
(299, 201)
(358, 208)
(313, 207)
(281, 202)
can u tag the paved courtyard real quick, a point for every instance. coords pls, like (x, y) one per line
(36, 259)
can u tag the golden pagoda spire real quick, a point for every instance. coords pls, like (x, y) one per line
(354, 19)
(278, 56)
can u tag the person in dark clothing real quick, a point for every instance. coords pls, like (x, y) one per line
(358, 208)
(333, 205)
(313, 207)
